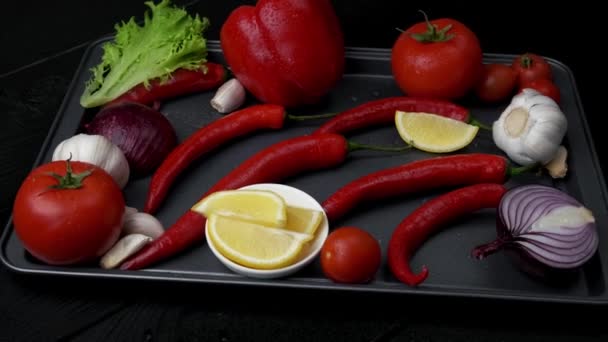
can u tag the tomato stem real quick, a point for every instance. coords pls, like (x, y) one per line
(526, 61)
(433, 34)
(70, 180)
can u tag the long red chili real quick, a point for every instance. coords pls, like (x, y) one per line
(443, 171)
(206, 139)
(429, 218)
(382, 112)
(277, 162)
(210, 137)
(182, 82)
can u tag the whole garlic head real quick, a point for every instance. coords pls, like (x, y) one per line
(97, 150)
(531, 128)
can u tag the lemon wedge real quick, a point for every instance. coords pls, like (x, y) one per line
(434, 133)
(255, 245)
(259, 206)
(303, 220)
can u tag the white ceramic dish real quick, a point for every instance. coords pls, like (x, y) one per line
(295, 197)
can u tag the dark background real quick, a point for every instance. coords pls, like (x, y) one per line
(41, 44)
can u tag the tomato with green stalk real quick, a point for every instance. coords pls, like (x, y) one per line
(438, 59)
(68, 212)
(530, 67)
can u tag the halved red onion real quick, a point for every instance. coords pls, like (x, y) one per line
(546, 224)
(144, 134)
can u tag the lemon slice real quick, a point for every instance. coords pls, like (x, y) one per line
(303, 220)
(434, 133)
(254, 245)
(260, 206)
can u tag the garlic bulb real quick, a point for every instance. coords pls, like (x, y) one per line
(97, 150)
(530, 130)
(229, 97)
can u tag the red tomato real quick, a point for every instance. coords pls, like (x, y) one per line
(350, 255)
(441, 61)
(63, 225)
(497, 83)
(545, 87)
(530, 67)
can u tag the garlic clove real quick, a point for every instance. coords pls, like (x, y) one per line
(558, 166)
(130, 211)
(142, 223)
(230, 96)
(124, 248)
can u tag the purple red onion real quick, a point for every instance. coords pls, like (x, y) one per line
(144, 134)
(544, 225)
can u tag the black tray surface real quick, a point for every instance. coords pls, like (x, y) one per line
(447, 254)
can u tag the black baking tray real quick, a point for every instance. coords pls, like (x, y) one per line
(453, 272)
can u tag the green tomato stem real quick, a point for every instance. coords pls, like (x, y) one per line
(526, 61)
(70, 180)
(433, 34)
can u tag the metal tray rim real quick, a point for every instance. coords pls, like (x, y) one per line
(375, 53)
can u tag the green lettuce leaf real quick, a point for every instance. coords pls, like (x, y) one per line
(169, 39)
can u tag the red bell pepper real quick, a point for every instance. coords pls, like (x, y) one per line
(285, 52)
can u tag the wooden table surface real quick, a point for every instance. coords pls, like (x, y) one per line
(41, 46)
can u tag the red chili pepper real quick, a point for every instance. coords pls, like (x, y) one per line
(206, 139)
(452, 170)
(181, 82)
(382, 112)
(274, 163)
(430, 218)
(209, 137)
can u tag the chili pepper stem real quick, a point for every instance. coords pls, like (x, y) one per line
(516, 171)
(475, 122)
(488, 249)
(354, 146)
(309, 117)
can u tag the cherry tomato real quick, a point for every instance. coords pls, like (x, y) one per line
(530, 67)
(68, 212)
(440, 59)
(350, 255)
(545, 87)
(497, 83)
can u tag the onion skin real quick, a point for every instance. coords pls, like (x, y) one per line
(548, 252)
(528, 263)
(144, 135)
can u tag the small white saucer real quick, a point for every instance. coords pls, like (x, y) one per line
(293, 197)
